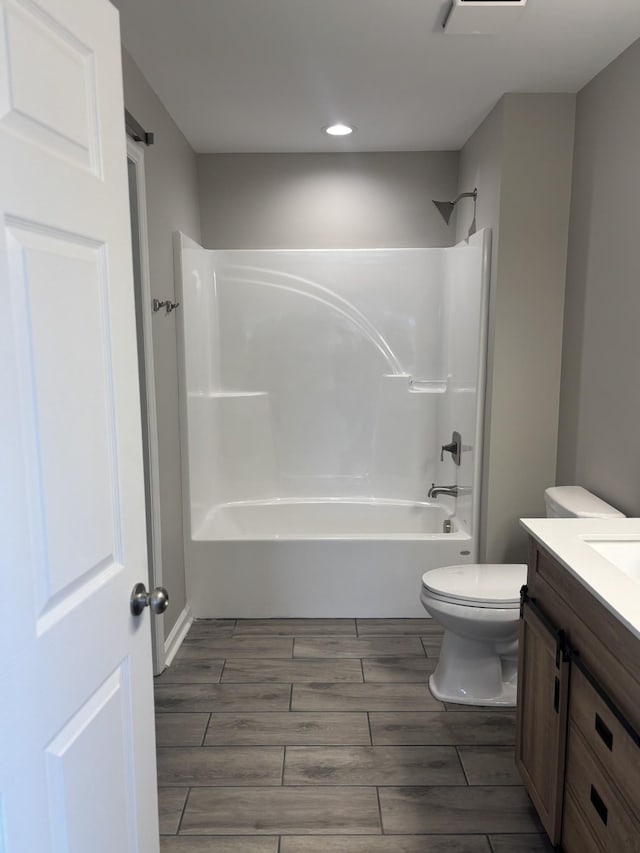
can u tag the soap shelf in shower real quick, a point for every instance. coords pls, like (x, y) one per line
(221, 395)
(427, 386)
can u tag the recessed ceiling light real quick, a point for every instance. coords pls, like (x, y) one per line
(339, 130)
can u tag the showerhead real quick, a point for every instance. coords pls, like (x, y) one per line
(445, 208)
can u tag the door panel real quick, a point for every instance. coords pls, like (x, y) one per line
(48, 88)
(543, 683)
(77, 766)
(102, 719)
(56, 280)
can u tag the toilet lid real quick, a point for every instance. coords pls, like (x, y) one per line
(486, 584)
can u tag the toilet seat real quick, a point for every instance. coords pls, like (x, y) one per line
(477, 585)
(468, 603)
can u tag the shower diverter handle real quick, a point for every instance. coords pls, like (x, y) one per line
(454, 448)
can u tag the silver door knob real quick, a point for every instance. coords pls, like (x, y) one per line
(157, 599)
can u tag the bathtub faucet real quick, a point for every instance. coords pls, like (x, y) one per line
(452, 491)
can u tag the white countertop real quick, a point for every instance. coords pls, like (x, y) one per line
(568, 540)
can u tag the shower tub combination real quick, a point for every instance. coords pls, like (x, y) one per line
(317, 389)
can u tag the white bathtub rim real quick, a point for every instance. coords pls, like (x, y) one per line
(204, 533)
(351, 499)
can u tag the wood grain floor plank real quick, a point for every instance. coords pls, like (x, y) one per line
(432, 646)
(388, 844)
(363, 697)
(284, 811)
(236, 647)
(222, 697)
(213, 844)
(288, 728)
(352, 647)
(443, 728)
(180, 729)
(400, 669)
(291, 671)
(222, 765)
(170, 806)
(521, 844)
(296, 627)
(398, 627)
(211, 628)
(480, 810)
(185, 671)
(373, 765)
(489, 765)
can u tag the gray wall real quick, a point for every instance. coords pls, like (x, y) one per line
(600, 398)
(172, 204)
(521, 161)
(481, 167)
(266, 201)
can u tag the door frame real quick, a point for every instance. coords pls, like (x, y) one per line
(135, 153)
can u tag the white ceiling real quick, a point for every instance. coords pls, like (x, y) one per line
(267, 75)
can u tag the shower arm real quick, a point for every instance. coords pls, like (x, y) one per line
(474, 194)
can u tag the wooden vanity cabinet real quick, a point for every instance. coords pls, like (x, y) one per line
(577, 741)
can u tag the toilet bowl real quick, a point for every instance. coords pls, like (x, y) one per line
(479, 608)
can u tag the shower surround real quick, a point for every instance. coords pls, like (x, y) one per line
(317, 388)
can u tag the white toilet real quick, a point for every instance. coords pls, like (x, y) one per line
(479, 608)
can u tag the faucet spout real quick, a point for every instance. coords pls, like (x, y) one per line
(451, 491)
(434, 491)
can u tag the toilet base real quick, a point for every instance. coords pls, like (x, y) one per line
(473, 673)
(506, 700)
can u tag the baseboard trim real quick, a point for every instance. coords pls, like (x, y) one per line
(177, 635)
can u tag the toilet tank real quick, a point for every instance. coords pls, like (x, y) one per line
(576, 502)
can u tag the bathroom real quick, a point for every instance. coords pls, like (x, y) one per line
(557, 183)
(534, 159)
(342, 198)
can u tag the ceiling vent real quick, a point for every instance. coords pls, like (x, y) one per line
(482, 17)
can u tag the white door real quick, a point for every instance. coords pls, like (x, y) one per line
(77, 768)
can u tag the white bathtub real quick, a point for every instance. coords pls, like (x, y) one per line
(323, 519)
(319, 558)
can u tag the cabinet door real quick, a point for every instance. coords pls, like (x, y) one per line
(543, 679)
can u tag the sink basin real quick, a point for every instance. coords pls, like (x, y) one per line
(624, 554)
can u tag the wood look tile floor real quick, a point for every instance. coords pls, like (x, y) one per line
(321, 736)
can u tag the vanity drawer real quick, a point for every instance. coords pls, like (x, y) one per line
(606, 737)
(576, 835)
(608, 819)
